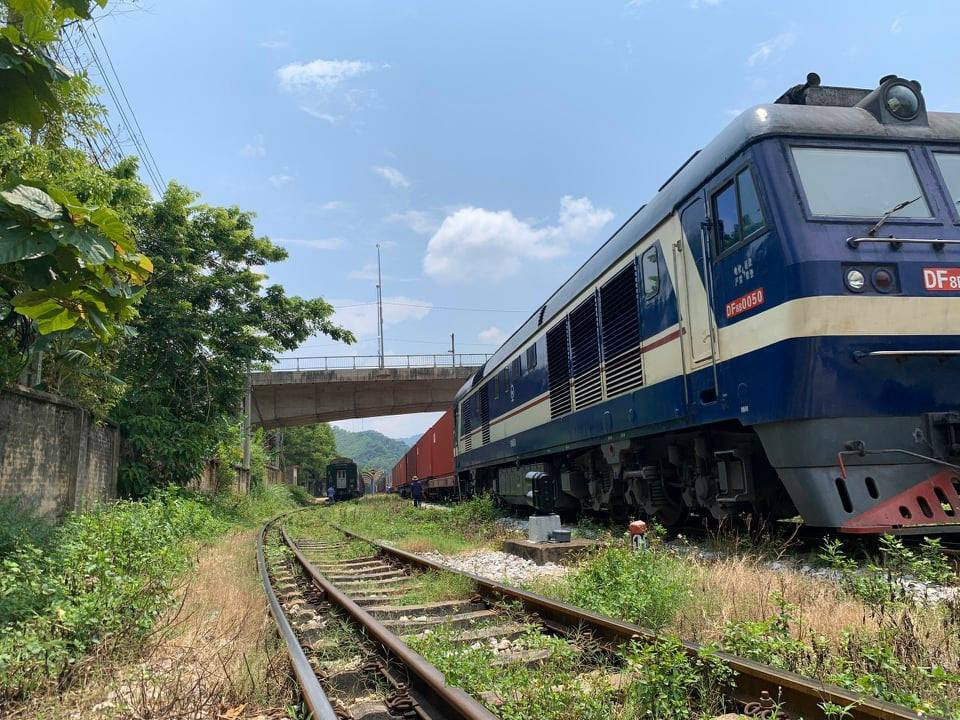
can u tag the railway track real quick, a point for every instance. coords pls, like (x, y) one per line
(347, 585)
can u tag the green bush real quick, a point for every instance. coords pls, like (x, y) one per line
(20, 524)
(104, 579)
(646, 588)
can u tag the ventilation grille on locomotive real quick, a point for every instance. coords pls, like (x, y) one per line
(585, 355)
(558, 370)
(485, 414)
(622, 354)
(467, 425)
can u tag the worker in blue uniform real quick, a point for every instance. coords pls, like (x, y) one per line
(416, 491)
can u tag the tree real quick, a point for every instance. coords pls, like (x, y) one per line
(70, 274)
(68, 261)
(310, 447)
(31, 83)
(204, 321)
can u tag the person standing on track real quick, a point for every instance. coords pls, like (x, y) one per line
(416, 491)
(331, 494)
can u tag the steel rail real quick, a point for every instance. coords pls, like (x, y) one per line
(428, 686)
(312, 693)
(800, 696)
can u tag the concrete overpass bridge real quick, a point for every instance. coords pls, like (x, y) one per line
(307, 390)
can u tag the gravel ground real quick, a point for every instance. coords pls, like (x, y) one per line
(498, 566)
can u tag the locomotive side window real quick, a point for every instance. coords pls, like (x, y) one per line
(949, 164)
(531, 357)
(650, 270)
(737, 211)
(841, 182)
(725, 212)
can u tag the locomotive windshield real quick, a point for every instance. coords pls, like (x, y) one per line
(949, 164)
(859, 183)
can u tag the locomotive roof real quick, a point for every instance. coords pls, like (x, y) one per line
(750, 126)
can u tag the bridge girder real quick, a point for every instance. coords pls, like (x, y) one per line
(283, 398)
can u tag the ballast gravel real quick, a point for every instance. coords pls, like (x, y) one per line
(498, 566)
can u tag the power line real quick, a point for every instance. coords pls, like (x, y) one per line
(431, 307)
(101, 143)
(139, 142)
(129, 106)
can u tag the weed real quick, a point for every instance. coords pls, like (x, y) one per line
(387, 517)
(646, 588)
(435, 585)
(668, 684)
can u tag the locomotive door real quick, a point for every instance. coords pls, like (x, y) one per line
(690, 263)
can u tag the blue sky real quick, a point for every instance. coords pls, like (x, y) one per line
(489, 147)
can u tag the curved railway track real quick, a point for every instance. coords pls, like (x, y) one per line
(319, 582)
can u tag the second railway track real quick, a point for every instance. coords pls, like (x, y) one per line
(344, 580)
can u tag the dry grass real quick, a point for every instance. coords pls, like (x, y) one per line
(214, 655)
(740, 588)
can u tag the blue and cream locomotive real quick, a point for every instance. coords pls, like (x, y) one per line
(776, 332)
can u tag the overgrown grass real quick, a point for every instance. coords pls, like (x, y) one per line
(435, 585)
(465, 526)
(104, 578)
(658, 681)
(646, 588)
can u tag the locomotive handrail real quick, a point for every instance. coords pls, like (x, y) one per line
(895, 242)
(373, 362)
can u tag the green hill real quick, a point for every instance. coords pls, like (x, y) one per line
(369, 449)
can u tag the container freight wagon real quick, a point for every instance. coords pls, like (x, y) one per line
(431, 460)
(398, 475)
(439, 439)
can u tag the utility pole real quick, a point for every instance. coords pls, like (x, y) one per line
(453, 351)
(380, 304)
(246, 423)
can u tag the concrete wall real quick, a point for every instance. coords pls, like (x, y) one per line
(53, 455)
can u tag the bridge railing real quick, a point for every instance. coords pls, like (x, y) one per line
(373, 362)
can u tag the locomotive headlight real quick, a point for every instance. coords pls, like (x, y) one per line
(902, 101)
(855, 280)
(883, 280)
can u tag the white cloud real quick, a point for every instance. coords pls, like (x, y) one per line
(331, 205)
(321, 244)
(273, 44)
(492, 336)
(696, 4)
(897, 25)
(360, 316)
(279, 180)
(475, 243)
(322, 86)
(254, 149)
(421, 222)
(395, 426)
(393, 176)
(320, 73)
(770, 49)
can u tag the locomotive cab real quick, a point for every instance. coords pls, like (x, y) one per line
(866, 276)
